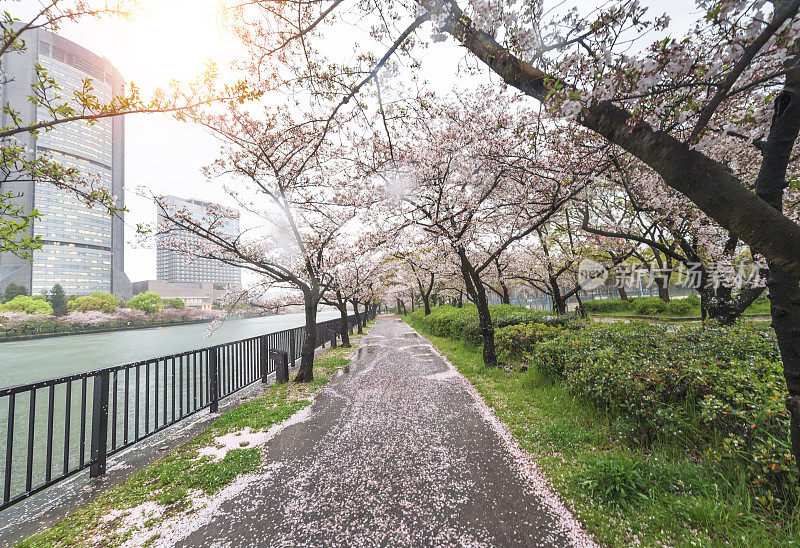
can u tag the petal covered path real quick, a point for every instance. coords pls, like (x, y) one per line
(397, 450)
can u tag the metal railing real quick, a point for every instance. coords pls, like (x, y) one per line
(59, 427)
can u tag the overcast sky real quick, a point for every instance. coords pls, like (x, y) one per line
(172, 39)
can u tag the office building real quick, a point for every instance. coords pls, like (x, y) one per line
(200, 295)
(177, 267)
(83, 247)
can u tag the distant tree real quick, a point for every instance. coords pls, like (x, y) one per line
(58, 300)
(14, 290)
(176, 303)
(148, 302)
(102, 302)
(30, 305)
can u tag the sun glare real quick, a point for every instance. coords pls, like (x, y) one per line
(172, 39)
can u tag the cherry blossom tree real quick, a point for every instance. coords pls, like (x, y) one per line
(288, 176)
(550, 259)
(417, 262)
(671, 101)
(670, 232)
(471, 179)
(360, 262)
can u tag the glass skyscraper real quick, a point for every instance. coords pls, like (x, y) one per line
(83, 247)
(176, 267)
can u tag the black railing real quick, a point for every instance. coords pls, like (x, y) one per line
(59, 427)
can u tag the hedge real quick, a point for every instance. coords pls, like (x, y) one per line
(604, 306)
(518, 342)
(644, 306)
(717, 391)
(462, 323)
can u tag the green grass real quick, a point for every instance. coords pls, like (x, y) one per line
(170, 481)
(623, 492)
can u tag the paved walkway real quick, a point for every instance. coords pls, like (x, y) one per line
(395, 451)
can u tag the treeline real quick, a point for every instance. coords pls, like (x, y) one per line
(56, 302)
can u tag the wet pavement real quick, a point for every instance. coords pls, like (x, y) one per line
(398, 450)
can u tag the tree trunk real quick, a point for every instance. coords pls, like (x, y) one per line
(426, 301)
(726, 309)
(705, 302)
(358, 315)
(345, 326)
(622, 293)
(663, 290)
(460, 299)
(487, 329)
(306, 373)
(784, 288)
(478, 292)
(784, 298)
(581, 310)
(559, 303)
(506, 296)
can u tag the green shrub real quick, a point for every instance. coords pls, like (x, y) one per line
(504, 315)
(102, 302)
(518, 342)
(176, 303)
(148, 302)
(717, 391)
(679, 307)
(649, 306)
(604, 306)
(462, 323)
(693, 300)
(30, 305)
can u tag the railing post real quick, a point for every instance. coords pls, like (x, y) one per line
(264, 359)
(331, 334)
(279, 357)
(213, 379)
(292, 343)
(99, 448)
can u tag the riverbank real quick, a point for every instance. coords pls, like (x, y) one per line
(91, 331)
(54, 329)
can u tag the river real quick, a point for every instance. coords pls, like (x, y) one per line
(47, 358)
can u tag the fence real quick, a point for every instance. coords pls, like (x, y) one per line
(545, 302)
(59, 427)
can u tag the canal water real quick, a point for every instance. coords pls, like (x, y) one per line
(41, 359)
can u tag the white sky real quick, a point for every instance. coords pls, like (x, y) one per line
(172, 39)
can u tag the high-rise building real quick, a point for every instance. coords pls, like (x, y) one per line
(83, 247)
(176, 267)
